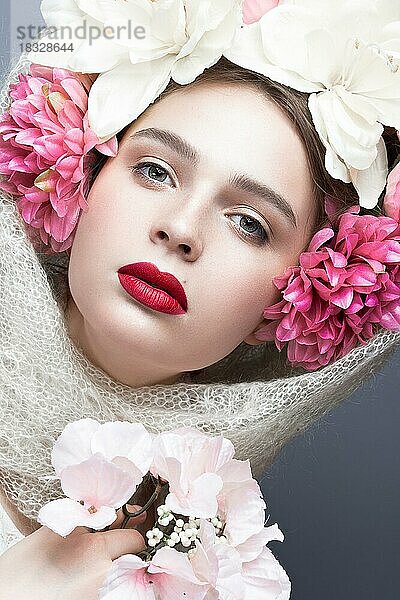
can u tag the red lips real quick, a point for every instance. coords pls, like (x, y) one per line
(174, 301)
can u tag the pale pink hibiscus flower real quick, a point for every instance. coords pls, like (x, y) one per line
(190, 461)
(217, 565)
(95, 488)
(127, 445)
(99, 467)
(169, 575)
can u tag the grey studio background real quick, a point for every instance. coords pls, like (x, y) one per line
(334, 491)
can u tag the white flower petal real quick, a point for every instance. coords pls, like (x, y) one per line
(60, 12)
(97, 57)
(165, 32)
(173, 576)
(350, 151)
(358, 104)
(61, 516)
(55, 58)
(334, 165)
(230, 584)
(235, 471)
(201, 500)
(309, 39)
(116, 99)
(97, 9)
(126, 465)
(247, 51)
(74, 444)
(104, 515)
(365, 133)
(265, 579)
(243, 511)
(125, 581)
(211, 27)
(219, 565)
(204, 560)
(98, 482)
(274, 533)
(371, 182)
(251, 548)
(123, 439)
(390, 37)
(374, 79)
(220, 452)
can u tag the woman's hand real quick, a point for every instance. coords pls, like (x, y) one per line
(46, 566)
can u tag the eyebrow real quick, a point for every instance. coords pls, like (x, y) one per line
(238, 180)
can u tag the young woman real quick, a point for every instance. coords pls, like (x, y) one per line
(221, 185)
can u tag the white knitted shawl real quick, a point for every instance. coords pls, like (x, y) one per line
(251, 396)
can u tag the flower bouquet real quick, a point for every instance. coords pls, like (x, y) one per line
(209, 539)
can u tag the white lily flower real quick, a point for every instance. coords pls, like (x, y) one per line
(181, 39)
(347, 57)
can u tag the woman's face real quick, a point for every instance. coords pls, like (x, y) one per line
(201, 219)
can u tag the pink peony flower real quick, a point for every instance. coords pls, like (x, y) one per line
(253, 10)
(45, 144)
(346, 283)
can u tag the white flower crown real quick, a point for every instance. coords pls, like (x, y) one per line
(345, 55)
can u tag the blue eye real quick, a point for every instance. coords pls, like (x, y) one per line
(154, 171)
(251, 228)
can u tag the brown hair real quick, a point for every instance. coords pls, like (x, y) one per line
(294, 104)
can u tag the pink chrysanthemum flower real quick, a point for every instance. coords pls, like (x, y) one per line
(45, 144)
(346, 283)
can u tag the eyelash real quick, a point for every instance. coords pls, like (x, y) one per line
(261, 239)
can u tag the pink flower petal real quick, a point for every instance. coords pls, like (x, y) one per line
(74, 444)
(253, 10)
(124, 439)
(265, 579)
(47, 121)
(97, 482)
(62, 516)
(201, 498)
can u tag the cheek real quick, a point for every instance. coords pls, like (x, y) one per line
(233, 304)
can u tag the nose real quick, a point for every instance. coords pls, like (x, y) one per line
(178, 233)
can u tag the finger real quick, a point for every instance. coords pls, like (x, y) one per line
(133, 521)
(77, 531)
(122, 541)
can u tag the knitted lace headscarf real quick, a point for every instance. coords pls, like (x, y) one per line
(252, 396)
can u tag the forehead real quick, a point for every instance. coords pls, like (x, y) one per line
(236, 129)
